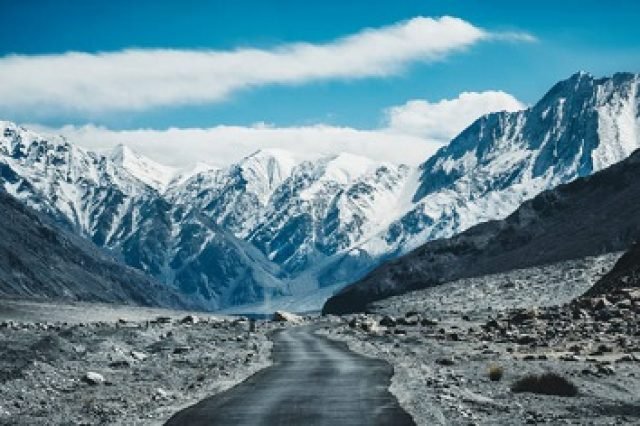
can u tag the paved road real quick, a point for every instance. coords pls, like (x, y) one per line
(313, 381)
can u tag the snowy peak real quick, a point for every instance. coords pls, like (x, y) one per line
(265, 170)
(580, 126)
(346, 167)
(147, 171)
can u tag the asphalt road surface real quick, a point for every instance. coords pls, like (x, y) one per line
(313, 381)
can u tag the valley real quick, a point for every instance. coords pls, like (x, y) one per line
(300, 227)
(310, 213)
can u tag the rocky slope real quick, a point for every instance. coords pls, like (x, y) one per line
(625, 274)
(38, 260)
(593, 215)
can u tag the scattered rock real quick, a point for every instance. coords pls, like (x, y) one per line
(412, 320)
(282, 316)
(181, 349)
(388, 321)
(190, 319)
(120, 364)
(93, 378)
(161, 394)
(139, 356)
(445, 361)
(426, 322)
(569, 357)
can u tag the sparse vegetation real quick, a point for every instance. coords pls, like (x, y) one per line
(495, 373)
(545, 384)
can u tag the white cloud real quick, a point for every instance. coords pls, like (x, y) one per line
(414, 131)
(223, 145)
(138, 79)
(444, 119)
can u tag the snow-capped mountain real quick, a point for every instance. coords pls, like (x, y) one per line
(590, 216)
(153, 174)
(296, 212)
(276, 224)
(580, 126)
(102, 200)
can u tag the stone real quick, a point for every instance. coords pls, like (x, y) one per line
(388, 321)
(161, 394)
(283, 316)
(525, 339)
(190, 319)
(139, 356)
(370, 326)
(426, 322)
(601, 303)
(445, 361)
(93, 378)
(181, 349)
(410, 320)
(569, 357)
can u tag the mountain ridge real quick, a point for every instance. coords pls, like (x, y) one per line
(570, 221)
(286, 225)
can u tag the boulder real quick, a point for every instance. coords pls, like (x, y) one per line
(426, 322)
(181, 349)
(139, 356)
(190, 319)
(388, 321)
(93, 378)
(445, 361)
(282, 316)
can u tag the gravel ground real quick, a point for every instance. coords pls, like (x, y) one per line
(100, 364)
(545, 285)
(145, 370)
(442, 346)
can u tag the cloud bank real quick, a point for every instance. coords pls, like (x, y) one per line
(141, 79)
(414, 131)
(443, 120)
(222, 145)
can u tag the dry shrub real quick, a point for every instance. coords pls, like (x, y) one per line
(545, 384)
(495, 373)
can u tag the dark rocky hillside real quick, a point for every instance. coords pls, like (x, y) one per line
(625, 274)
(40, 260)
(590, 216)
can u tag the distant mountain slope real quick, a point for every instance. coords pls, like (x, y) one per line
(580, 126)
(38, 260)
(625, 274)
(593, 215)
(278, 224)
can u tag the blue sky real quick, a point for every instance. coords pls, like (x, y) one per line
(595, 36)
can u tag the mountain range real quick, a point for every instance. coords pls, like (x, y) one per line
(590, 216)
(275, 224)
